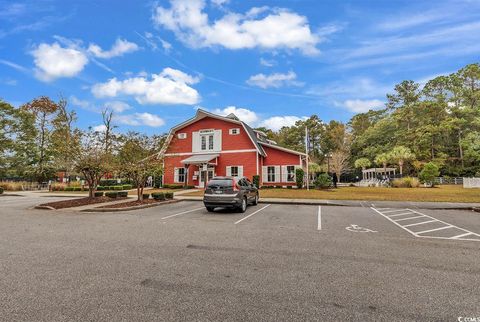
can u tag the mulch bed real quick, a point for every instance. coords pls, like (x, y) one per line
(78, 202)
(133, 203)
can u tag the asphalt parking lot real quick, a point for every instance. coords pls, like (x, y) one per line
(274, 262)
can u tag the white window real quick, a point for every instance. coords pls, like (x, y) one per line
(207, 140)
(234, 131)
(235, 171)
(290, 173)
(179, 175)
(182, 136)
(271, 174)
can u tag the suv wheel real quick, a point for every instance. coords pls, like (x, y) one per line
(255, 201)
(243, 206)
(210, 209)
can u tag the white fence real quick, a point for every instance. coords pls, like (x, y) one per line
(471, 182)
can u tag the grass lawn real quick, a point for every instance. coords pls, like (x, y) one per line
(444, 193)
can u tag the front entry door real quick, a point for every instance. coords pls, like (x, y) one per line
(202, 181)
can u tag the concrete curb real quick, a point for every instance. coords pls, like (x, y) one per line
(130, 208)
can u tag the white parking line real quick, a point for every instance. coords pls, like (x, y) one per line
(432, 220)
(402, 219)
(420, 223)
(319, 225)
(402, 214)
(253, 213)
(181, 213)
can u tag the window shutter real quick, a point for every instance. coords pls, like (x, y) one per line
(229, 171)
(277, 173)
(175, 176)
(195, 142)
(284, 173)
(240, 171)
(217, 141)
(264, 174)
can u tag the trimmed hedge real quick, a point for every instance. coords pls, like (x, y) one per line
(1, 190)
(100, 188)
(169, 195)
(118, 188)
(111, 194)
(98, 194)
(158, 196)
(173, 186)
(77, 189)
(123, 194)
(127, 187)
(146, 196)
(68, 188)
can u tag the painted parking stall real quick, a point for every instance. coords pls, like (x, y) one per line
(424, 226)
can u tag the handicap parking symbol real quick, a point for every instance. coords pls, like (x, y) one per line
(357, 229)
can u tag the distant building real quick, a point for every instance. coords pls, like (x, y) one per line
(209, 145)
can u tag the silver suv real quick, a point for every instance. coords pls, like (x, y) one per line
(230, 192)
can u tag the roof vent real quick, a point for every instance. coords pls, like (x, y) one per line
(232, 116)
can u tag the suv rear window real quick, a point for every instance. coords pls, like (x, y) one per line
(220, 183)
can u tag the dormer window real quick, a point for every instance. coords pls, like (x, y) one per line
(234, 131)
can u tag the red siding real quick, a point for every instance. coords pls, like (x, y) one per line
(279, 157)
(229, 142)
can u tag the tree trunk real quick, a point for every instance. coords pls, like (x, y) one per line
(139, 193)
(400, 164)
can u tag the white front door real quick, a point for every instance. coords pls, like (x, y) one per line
(201, 182)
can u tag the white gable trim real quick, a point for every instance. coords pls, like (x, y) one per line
(282, 148)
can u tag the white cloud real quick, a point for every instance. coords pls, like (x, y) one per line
(119, 48)
(81, 103)
(267, 62)
(275, 80)
(263, 28)
(245, 115)
(139, 119)
(171, 86)
(361, 106)
(219, 3)
(117, 106)
(99, 128)
(53, 61)
(13, 65)
(275, 123)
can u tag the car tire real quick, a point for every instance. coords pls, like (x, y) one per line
(243, 205)
(210, 209)
(255, 200)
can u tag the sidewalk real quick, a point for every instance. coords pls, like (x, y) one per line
(359, 203)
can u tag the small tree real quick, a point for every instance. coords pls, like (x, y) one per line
(429, 172)
(400, 155)
(138, 159)
(362, 163)
(339, 162)
(323, 181)
(299, 175)
(92, 162)
(382, 159)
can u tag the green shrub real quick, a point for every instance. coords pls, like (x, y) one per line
(127, 187)
(158, 196)
(122, 194)
(69, 188)
(429, 172)
(174, 186)
(168, 195)
(77, 189)
(100, 188)
(322, 181)
(111, 194)
(98, 193)
(299, 175)
(406, 182)
(146, 196)
(117, 188)
(256, 181)
(1, 190)
(289, 187)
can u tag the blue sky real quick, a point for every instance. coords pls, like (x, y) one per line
(270, 62)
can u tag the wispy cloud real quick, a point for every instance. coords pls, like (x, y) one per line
(13, 65)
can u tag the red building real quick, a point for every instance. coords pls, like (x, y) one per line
(209, 145)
